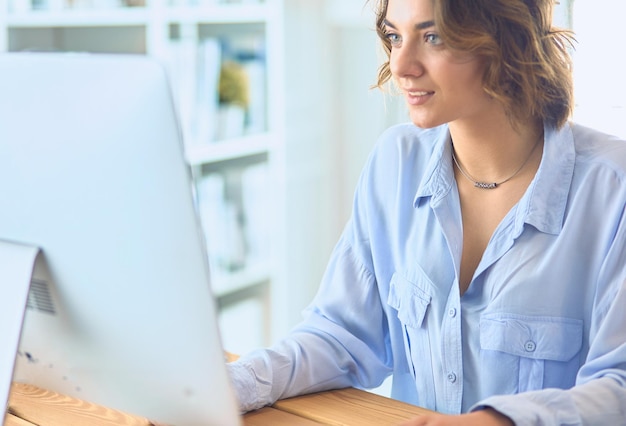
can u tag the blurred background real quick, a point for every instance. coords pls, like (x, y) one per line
(278, 117)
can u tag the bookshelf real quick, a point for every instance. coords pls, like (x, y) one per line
(219, 56)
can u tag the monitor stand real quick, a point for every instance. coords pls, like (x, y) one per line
(17, 263)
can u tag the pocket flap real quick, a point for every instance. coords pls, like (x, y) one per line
(549, 338)
(410, 301)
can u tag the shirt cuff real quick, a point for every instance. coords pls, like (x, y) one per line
(251, 376)
(545, 407)
(244, 384)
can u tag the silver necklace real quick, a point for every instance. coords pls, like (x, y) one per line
(491, 185)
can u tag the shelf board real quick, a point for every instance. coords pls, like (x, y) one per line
(224, 283)
(231, 149)
(113, 17)
(135, 16)
(218, 14)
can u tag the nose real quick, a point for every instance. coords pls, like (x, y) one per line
(406, 61)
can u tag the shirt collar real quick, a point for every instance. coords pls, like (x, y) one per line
(543, 206)
(544, 203)
(438, 175)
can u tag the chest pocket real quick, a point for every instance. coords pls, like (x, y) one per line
(409, 300)
(412, 301)
(536, 351)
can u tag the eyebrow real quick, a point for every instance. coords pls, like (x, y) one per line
(420, 26)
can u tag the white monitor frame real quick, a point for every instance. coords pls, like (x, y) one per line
(92, 172)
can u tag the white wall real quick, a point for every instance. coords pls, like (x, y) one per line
(308, 155)
(600, 65)
(332, 120)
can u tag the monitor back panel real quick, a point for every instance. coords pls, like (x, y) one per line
(92, 171)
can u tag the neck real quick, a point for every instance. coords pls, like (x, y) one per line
(493, 150)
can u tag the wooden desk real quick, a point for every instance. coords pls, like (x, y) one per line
(346, 407)
(33, 406)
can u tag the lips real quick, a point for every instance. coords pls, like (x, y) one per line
(418, 97)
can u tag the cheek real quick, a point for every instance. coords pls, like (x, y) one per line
(469, 79)
(469, 67)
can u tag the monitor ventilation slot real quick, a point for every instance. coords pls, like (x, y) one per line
(39, 297)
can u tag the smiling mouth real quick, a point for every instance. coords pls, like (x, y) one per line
(418, 97)
(418, 93)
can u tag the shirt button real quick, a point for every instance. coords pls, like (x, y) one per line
(452, 312)
(451, 377)
(530, 346)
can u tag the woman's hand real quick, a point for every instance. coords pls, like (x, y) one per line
(486, 417)
(230, 357)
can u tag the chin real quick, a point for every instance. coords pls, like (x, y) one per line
(423, 123)
(425, 118)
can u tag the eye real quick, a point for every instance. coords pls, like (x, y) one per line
(394, 39)
(433, 39)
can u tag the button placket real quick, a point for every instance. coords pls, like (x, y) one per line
(452, 351)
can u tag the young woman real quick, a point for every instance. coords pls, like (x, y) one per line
(484, 264)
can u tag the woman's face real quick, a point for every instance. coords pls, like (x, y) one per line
(439, 85)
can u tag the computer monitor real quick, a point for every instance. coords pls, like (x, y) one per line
(92, 172)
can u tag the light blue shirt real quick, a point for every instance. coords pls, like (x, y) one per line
(540, 334)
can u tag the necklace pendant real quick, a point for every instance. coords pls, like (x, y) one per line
(485, 185)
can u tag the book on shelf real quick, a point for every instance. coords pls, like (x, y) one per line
(200, 3)
(256, 117)
(208, 75)
(219, 85)
(249, 53)
(233, 209)
(254, 196)
(179, 60)
(220, 219)
(24, 6)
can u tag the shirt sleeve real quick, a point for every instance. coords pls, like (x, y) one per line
(336, 345)
(343, 340)
(598, 402)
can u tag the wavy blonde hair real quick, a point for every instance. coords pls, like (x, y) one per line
(528, 64)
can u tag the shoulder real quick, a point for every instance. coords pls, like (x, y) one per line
(598, 177)
(600, 159)
(406, 143)
(598, 151)
(403, 157)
